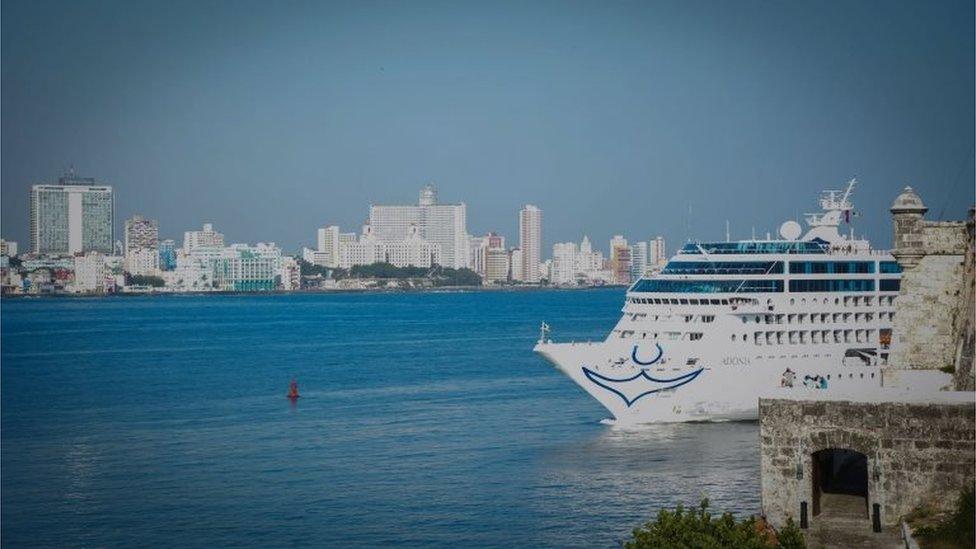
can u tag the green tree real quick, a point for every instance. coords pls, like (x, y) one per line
(956, 530)
(146, 280)
(699, 529)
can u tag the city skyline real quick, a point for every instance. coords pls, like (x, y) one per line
(622, 125)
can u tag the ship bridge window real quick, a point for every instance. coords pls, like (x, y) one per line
(707, 286)
(724, 267)
(831, 267)
(890, 285)
(757, 247)
(832, 285)
(890, 267)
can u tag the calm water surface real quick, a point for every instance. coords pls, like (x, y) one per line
(425, 420)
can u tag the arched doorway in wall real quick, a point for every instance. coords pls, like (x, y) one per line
(840, 483)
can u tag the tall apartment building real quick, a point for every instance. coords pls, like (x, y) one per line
(8, 248)
(75, 216)
(441, 224)
(530, 242)
(244, 268)
(141, 245)
(207, 238)
(516, 264)
(620, 260)
(657, 255)
(564, 263)
(638, 260)
(167, 255)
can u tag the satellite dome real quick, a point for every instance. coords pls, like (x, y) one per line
(908, 201)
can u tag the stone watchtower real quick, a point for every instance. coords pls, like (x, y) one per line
(908, 212)
(931, 255)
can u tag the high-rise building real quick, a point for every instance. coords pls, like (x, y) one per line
(8, 248)
(207, 238)
(530, 242)
(496, 265)
(75, 216)
(657, 255)
(564, 263)
(516, 263)
(141, 233)
(328, 246)
(638, 260)
(141, 245)
(167, 255)
(441, 224)
(244, 268)
(620, 260)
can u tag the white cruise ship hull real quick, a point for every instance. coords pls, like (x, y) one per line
(635, 393)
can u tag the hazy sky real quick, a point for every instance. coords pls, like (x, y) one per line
(270, 119)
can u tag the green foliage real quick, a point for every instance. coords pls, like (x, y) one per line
(949, 369)
(310, 269)
(790, 537)
(15, 262)
(956, 530)
(146, 280)
(698, 529)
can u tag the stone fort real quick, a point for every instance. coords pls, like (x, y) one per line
(901, 450)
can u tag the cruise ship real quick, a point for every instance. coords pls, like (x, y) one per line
(726, 322)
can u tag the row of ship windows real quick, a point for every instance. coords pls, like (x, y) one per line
(802, 337)
(656, 285)
(822, 318)
(792, 337)
(847, 301)
(776, 267)
(797, 318)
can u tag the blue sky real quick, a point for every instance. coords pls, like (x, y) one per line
(270, 119)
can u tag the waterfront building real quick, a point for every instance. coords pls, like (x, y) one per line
(290, 275)
(141, 245)
(207, 238)
(413, 251)
(246, 268)
(638, 260)
(564, 264)
(530, 242)
(441, 224)
(656, 254)
(8, 248)
(90, 273)
(516, 262)
(167, 255)
(620, 260)
(477, 254)
(327, 246)
(496, 265)
(76, 215)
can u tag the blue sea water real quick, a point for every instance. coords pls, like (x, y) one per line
(425, 420)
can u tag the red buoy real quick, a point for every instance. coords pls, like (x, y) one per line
(293, 390)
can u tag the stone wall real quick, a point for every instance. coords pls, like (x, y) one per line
(929, 305)
(918, 453)
(964, 328)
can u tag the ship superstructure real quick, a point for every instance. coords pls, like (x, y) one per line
(725, 322)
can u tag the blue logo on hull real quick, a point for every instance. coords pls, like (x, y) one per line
(634, 388)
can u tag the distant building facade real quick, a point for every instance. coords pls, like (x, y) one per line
(638, 260)
(75, 216)
(442, 224)
(206, 238)
(8, 248)
(245, 268)
(167, 255)
(141, 245)
(620, 260)
(530, 242)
